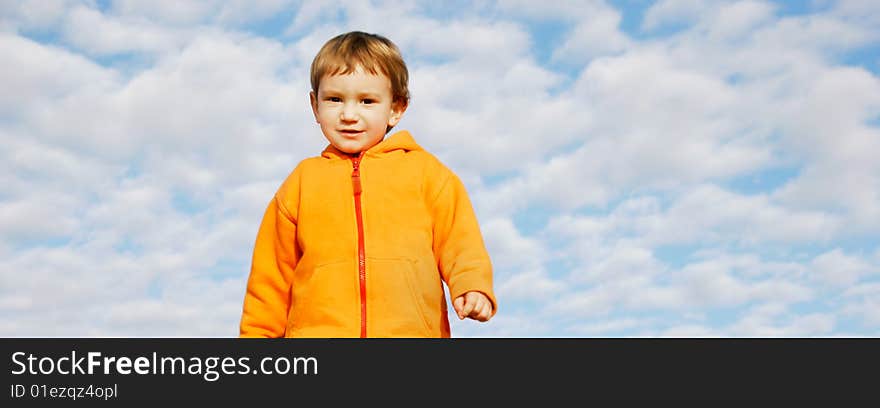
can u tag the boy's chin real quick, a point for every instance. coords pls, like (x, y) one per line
(353, 148)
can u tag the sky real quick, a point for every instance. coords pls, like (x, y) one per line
(670, 168)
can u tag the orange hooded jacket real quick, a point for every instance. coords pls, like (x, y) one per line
(357, 247)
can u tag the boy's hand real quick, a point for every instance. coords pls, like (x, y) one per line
(474, 305)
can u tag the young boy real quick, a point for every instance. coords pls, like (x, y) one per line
(356, 241)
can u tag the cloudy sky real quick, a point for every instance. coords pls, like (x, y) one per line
(670, 168)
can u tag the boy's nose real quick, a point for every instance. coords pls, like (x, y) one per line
(347, 113)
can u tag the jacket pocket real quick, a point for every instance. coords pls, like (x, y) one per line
(326, 303)
(397, 299)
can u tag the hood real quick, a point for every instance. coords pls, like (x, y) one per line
(400, 140)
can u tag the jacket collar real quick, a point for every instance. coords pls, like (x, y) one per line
(400, 140)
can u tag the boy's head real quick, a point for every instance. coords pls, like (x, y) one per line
(359, 90)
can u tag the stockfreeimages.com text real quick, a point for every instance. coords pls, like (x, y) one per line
(210, 368)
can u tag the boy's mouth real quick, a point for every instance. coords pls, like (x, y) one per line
(350, 132)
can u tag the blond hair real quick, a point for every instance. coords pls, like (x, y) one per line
(374, 53)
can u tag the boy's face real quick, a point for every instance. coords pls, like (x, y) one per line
(355, 109)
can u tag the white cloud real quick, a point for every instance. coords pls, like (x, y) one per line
(518, 264)
(809, 325)
(34, 72)
(839, 269)
(617, 263)
(130, 244)
(581, 304)
(212, 314)
(733, 21)
(511, 249)
(34, 14)
(831, 131)
(592, 28)
(530, 285)
(704, 214)
(39, 217)
(826, 34)
(556, 10)
(694, 124)
(167, 11)
(608, 327)
(708, 213)
(689, 330)
(245, 11)
(665, 12)
(648, 124)
(596, 35)
(625, 279)
(504, 324)
(862, 302)
(763, 320)
(90, 30)
(862, 12)
(714, 283)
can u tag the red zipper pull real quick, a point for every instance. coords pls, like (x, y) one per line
(356, 175)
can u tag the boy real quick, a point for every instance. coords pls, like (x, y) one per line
(356, 241)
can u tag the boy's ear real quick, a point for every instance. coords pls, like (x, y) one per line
(313, 100)
(397, 109)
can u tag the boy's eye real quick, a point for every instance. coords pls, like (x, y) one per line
(369, 101)
(334, 99)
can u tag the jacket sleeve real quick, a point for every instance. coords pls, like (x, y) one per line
(458, 244)
(267, 300)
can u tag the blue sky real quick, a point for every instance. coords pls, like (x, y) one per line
(639, 168)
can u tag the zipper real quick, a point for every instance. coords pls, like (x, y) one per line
(362, 263)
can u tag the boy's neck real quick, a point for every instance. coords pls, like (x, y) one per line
(362, 152)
